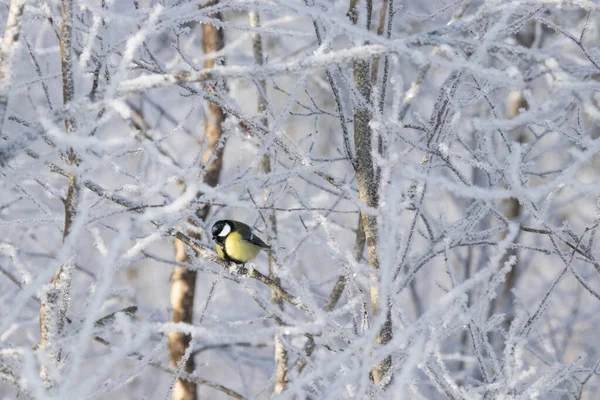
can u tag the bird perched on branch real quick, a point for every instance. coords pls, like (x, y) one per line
(236, 242)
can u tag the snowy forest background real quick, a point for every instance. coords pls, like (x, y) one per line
(426, 172)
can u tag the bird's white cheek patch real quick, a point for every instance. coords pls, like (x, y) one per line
(225, 231)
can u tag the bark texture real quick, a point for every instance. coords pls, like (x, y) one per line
(512, 209)
(280, 353)
(7, 52)
(55, 301)
(368, 191)
(183, 280)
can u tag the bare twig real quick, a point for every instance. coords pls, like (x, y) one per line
(544, 303)
(336, 292)
(191, 378)
(196, 380)
(336, 96)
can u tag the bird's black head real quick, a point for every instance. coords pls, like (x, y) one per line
(221, 229)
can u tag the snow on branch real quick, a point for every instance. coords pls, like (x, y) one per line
(426, 175)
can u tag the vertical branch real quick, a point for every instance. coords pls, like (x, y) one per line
(359, 247)
(368, 193)
(386, 5)
(56, 298)
(336, 97)
(336, 292)
(415, 87)
(281, 369)
(66, 51)
(183, 286)
(512, 208)
(183, 280)
(7, 53)
(380, 27)
(265, 162)
(281, 355)
(512, 211)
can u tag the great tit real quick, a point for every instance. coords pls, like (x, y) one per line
(236, 242)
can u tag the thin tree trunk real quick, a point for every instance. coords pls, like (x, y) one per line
(512, 209)
(368, 193)
(380, 28)
(340, 284)
(183, 280)
(281, 354)
(183, 285)
(55, 301)
(7, 53)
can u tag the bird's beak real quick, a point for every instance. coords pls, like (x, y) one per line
(214, 237)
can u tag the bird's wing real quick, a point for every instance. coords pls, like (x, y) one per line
(249, 236)
(252, 238)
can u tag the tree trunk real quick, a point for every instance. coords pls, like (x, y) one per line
(7, 50)
(55, 301)
(280, 353)
(368, 193)
(183, 281)
(512, 209)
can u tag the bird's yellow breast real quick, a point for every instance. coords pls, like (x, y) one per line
(238, 249)
(220, 251)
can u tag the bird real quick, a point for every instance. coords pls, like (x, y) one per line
(236, 242)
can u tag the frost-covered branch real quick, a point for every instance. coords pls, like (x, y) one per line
(55, 302)
(281, 355)
(8, 52)
(479, 208)
(244, 271)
